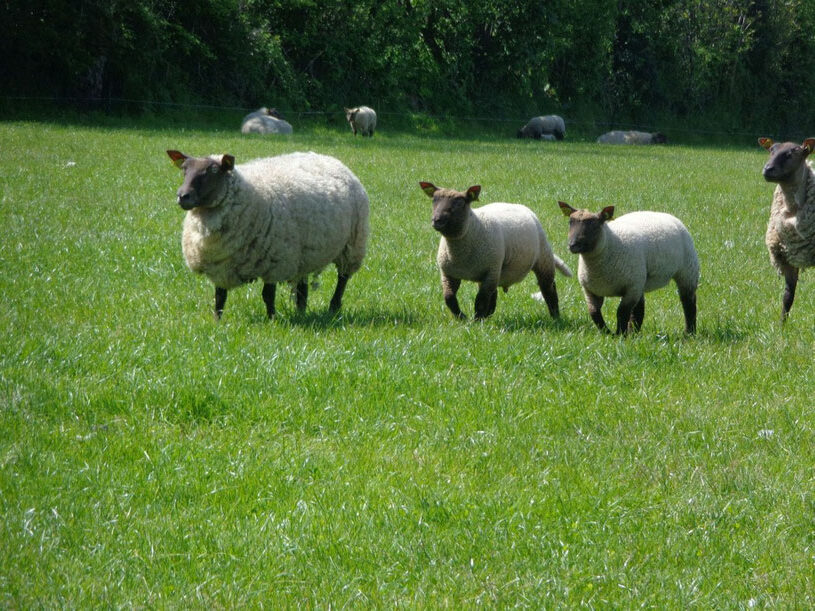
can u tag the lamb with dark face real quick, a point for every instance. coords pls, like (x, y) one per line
(790, 236)
(494, 245)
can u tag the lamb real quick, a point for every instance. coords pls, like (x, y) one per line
(631, 256)
(540, 127)
(265, 121)
(790, 236)
(632, 137)
(362, 119)
(278, 218)
(495, 245)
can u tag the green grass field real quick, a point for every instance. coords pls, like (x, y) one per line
(151, 457)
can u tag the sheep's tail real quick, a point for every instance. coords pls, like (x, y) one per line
(562, 267)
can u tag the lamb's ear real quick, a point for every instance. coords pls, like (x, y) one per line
(472, 193)
(766, 143)
(429, 188)
(566, 209)
(227, 163)
(809, 145)
(178, 158)
(607, 213)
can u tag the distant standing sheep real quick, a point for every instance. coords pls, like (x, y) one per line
(495, 245)
(790, 236)
(540, 127)
(632, 137)
(362, 119)
(278, 219)
(630, 256)
(265, 121)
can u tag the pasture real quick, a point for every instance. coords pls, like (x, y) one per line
(392, 455)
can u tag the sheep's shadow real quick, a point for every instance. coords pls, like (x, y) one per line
(323, 319)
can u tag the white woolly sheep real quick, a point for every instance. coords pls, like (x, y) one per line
(278, 219)
(495, 245)
(265, 121)
(362, 119)
(630, 256)
(790, 236)
(632, 137)
(540, 127)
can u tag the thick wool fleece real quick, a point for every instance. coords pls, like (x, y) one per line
(626, 137)
(259, 122)
(790, 233)
(280, 219)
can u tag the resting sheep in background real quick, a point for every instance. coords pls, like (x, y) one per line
(631, 256)
(539, 128)
(265, 121)
(632, 137)
(790, 236)
(495, 245)
(278, 219)
(362, 119)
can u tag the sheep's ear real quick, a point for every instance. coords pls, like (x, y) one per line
(809, 145)
(566, 209)
(227, 163)
(178, 158)
(766, 143)
(472, 193)
(429, 188)
(607, 213)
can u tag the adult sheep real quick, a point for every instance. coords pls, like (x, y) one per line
(495, 245)
(790, 236)
(265, 121)
(631, 256)
(362, 119)
(632, 137)
(278, 219)
(547, 125)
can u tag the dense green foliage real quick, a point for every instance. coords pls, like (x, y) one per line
(746, 63)
(391, 456)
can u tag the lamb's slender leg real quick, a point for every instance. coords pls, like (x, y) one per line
(688, 299)
(336, 300)
(595, 304)
(220, 301)
(638, 314)
(624, 311)
(485, 300)
(548, 289)
(791, 281)
(450, 288)
(268, 294)
(301, 295)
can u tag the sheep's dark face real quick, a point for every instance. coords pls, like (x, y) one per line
(786, 159)
(585, 228)
(204, 179)
(451, 209)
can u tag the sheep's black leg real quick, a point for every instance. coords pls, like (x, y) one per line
(301, 295)
(549, 292)
(485, 301)
(689, 308)
(595, 304)
(269, 290)
(638, 314)
(791, 281)
(336, 300)
(450, 288)
(220, 301)
(624, 315)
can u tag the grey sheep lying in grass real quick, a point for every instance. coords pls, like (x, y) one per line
(632, 137)
(790, 236)
(279, 219)
(540, 127)
(494, 245)
(265, 121)
(630, 256)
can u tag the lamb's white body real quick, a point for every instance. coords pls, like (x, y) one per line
(626, 137)
(362, 120)
(280, 219)
(259, 122)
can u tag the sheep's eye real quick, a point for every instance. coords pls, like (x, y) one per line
(213, 169)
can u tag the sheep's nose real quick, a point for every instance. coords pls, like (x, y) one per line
(185, 200)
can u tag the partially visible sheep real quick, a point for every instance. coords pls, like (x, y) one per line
(278, 219)
(265, 121)
(362, 119)
(541, 127)
(495, 245)
(632, 137)
(631, 256)
(790, 236)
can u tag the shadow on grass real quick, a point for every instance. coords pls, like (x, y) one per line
(323, 319)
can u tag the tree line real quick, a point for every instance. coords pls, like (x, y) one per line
(745, 63)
